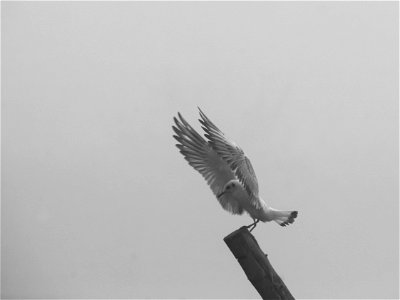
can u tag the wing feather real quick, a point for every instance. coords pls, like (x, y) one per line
(202, 157)
(234, 156)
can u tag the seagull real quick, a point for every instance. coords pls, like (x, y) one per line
(227, 171)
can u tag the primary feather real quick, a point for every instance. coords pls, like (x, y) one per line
(201, 156)
(234, 156)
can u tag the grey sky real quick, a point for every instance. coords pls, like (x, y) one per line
(96, 200)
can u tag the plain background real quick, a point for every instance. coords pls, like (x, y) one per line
(96, 200)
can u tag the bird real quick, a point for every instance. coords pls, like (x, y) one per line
(227, 170)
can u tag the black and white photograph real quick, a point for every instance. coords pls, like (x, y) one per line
(199, 150)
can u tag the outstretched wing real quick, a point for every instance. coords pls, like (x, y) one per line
(206, 161)
(234, 156)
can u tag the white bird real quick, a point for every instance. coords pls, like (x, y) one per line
(227, 171)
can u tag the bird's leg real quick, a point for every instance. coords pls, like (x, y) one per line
(253, 225)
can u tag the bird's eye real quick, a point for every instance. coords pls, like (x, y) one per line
(228, 187)
(233, 184)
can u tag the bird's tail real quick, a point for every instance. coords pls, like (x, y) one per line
(283, 217)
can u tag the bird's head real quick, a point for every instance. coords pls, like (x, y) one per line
(229, 188)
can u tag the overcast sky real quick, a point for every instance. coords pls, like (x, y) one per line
(97, 201)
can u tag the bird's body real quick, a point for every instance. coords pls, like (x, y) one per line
(227, 170)
(262, 212)
(241, 198)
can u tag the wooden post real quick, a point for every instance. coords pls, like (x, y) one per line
(256, 265)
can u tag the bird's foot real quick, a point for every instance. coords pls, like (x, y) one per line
(252, 225)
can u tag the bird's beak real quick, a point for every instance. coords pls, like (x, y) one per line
(220, 194)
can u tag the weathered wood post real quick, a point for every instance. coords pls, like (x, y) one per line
(256, 265)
